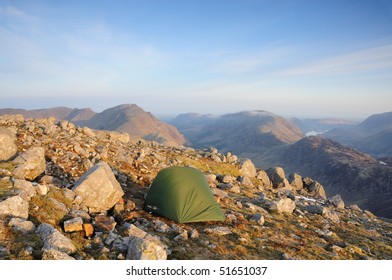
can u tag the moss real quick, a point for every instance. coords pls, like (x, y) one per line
(45, 210)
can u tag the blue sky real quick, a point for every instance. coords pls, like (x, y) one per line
(308, 58)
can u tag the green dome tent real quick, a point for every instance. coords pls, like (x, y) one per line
(182, 194)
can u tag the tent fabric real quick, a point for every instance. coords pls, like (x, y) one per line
(182, 194)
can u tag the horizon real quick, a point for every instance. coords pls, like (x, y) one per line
(167, 117)
(309, 59)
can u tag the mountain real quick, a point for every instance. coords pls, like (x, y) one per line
(127, 118)
(370, 136)
(242, 133)
(135, 121)
(357, 177)
(77, 194)
(318, 126)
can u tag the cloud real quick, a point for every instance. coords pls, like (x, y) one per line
(253, 61)
(367, 60)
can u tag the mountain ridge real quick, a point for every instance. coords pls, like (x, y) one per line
(128, 118)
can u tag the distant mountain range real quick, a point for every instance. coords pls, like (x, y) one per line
(357, 177)
(241, 133)
(319, 126)
(124, 118)
(372, 136)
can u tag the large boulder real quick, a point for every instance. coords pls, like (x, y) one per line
(53, 239)
(144, 246)
(248, 169)
(30, 164)
(99, 188)
(263, 176)
(15, 207)
(283, 205)
(295, 181)
(8, 148)
(337, 201)
(317, 191)
(278, 177)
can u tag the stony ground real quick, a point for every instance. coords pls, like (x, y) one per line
(46, 212)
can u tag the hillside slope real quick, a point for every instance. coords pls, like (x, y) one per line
(358, 177)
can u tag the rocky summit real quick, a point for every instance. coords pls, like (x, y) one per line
(73, 193)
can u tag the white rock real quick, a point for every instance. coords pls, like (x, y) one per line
(15, 207)
(53, 239)
(99, 188)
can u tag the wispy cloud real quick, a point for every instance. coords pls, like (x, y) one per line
(367, 60)
(92, 59)
(252, 61)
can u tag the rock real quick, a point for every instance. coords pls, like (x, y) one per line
(143, 246)
(355, 207)
(258, 218)
(27, 189)
(213, 150)
(104, 223)
(41, 189)
(263, 176)
(218, 231)
(5, 173)
(235, 189)
(283, 205)
(316, 209)
(160, 226)
(215, 158)
(278, 177)
(211, 179)
(88, 229)
(231, 158)
(51, 180)
(75, 224)
(98, 188)
(307, 182)
(248, 169)
(181, 237)
(286, 256)
(89, 132)
(31, 164)
(244, 180)
(194, 234)
(337, 201)
(110, 238)
(130, 205)
(53, 239)
(332, 216)
(227, 179)
(317, 191)
(58, 206)
(8, 148)
(120, 244)
(219, 193)
(21, 225)
(53, 254)
(15, 207)
(68, 194)
(295, 181)
(254, 208)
